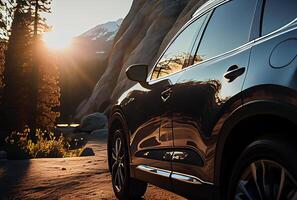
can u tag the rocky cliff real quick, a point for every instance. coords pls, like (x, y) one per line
(143, 35)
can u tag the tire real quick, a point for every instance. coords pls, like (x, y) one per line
(124, 186)
(267, 169)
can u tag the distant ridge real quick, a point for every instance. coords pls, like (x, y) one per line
(99, 39)
(105, 31)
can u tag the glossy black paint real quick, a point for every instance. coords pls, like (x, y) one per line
(180, 123)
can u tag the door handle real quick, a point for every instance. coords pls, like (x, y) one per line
(165, 95)
(234, 72)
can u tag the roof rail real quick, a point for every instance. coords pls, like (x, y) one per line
(206, 4)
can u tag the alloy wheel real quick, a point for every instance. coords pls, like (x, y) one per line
(118, 166)
(265, 179)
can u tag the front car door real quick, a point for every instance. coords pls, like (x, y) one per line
(200, 96)
(152, 142)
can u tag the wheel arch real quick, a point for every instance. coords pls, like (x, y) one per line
(117, 121)
(252, 118)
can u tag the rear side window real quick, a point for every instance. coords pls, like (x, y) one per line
(278, 13)
(228, 28)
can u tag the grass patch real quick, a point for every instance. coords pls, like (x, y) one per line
(44, 145)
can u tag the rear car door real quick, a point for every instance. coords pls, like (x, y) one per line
(152, 143)
(215, 77)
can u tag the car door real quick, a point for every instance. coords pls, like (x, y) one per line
(152, 143)
(216, 76)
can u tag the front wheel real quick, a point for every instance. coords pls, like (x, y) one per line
(124, 186)
(266, 170)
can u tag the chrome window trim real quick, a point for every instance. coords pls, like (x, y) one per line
(278, 31)
(203, 9)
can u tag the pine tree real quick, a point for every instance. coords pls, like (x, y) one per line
(32, 90)
(45, 72)
(48, 89)
(16, 102)
(40, 26)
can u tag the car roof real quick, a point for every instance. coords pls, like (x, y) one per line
(209, 4)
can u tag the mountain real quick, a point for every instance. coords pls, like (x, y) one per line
(99, 39)
(143, 35)
(105, 31)
(82, 65)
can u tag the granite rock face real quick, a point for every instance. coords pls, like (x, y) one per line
(143, 35)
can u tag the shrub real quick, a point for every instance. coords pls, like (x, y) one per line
(44, 145)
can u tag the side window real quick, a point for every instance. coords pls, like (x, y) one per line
(178, 53)
(278, 13)
(228, 28)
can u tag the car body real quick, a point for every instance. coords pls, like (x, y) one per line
(227, 78)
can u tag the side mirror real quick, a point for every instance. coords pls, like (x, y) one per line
(137, 73)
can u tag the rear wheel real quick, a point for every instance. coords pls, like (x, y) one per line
(266, 170)
(124, 186)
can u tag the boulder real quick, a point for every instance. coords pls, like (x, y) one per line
(93, 122)
(100, 132)
(87, 152)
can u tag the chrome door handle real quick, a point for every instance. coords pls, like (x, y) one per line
(233, 72)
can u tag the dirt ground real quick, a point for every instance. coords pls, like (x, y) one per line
(65, 178)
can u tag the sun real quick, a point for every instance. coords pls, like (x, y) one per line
(57, 41)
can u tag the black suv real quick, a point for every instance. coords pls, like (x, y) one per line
(216, 118)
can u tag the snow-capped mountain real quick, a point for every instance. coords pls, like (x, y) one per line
(98, 41)
(105, 31)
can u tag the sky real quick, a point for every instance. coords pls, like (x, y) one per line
(70, 18)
